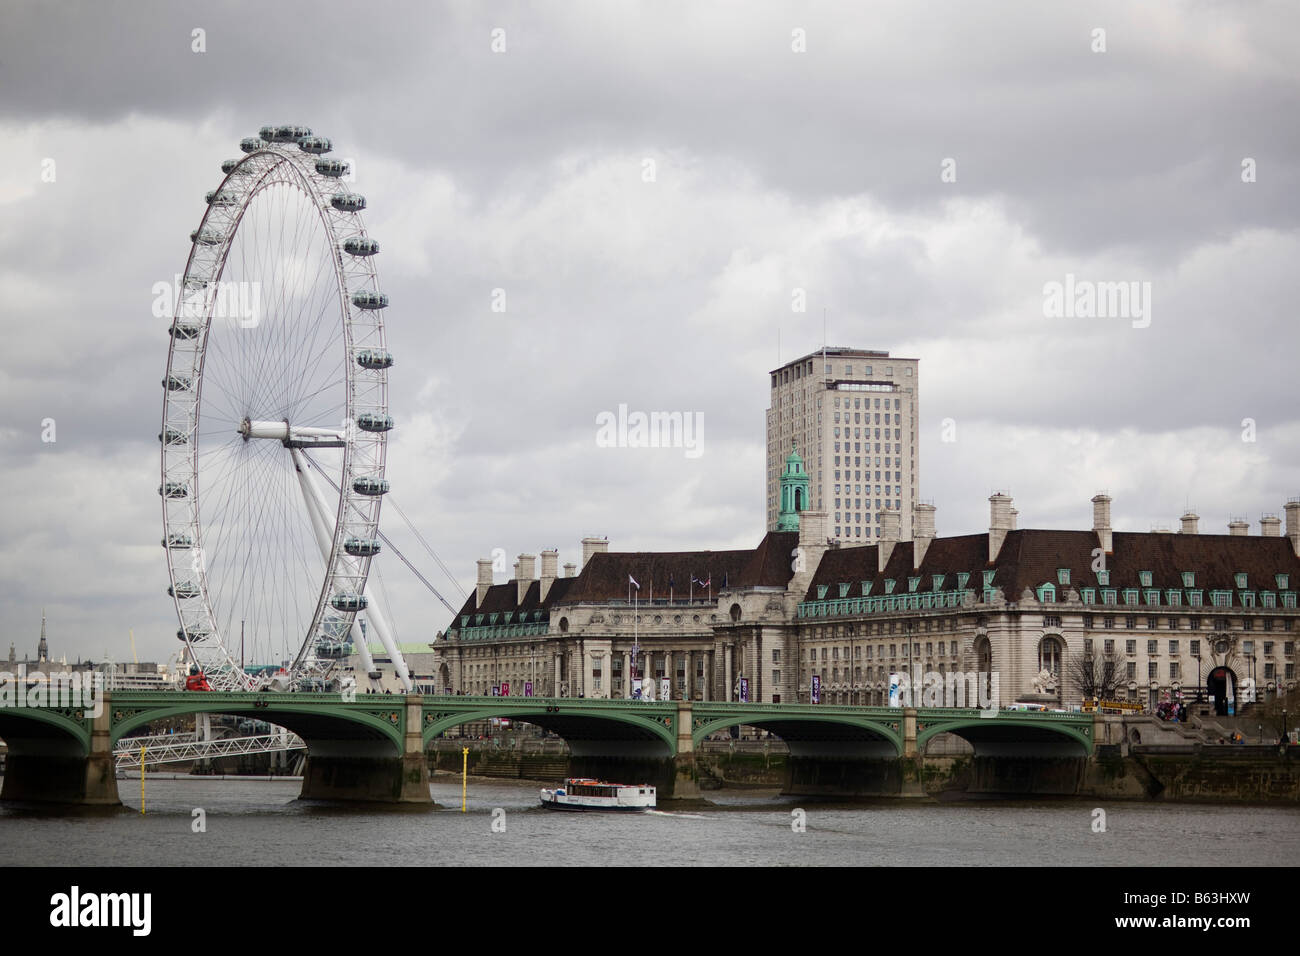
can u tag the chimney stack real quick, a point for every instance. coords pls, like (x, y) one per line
(592, 546)
(1014, 515)
(1000, 522)
(1270, 526)
(889, 528)
(922, 532)
(570, 570)
(524, 571)
(1101, 522)
(1190, 523)
(1238, 527)
(484, 580)
(1292, 510)
(550, 562)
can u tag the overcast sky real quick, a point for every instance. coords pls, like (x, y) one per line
(794, 146)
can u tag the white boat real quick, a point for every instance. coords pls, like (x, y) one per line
(583, 793)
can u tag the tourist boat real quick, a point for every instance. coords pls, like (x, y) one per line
(583, 793)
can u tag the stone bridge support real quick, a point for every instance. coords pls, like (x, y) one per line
(360, 771)
(45, 765)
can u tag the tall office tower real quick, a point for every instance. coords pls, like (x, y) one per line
(853, 415)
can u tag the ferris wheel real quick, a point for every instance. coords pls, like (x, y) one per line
(275, 420)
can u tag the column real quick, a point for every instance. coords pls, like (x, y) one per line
(555, 689)
(668, 673)
(627, 674)
(607, 669)
(708, 674)
(727, 681)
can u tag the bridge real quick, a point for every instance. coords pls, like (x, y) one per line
(370, 748)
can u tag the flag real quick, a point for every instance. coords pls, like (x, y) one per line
(632, 581)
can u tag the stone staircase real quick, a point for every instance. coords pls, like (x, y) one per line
(517, 766)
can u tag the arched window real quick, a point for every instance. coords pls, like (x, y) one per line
(735, 612)
(1049, 655)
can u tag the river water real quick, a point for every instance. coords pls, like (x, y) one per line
(260, 822)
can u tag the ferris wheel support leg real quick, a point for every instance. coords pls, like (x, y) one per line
(320, 511)
(320, 524)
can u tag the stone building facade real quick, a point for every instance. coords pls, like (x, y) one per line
(1057, 615)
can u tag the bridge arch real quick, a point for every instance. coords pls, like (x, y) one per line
(813, 732)
(585, 726)
(1008, 734)
(65, 729)
(325, 725)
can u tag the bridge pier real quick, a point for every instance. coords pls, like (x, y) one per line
(53, 769)
(358, 772)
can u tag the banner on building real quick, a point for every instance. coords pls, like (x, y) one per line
(636, 688)
(665, 690)
(744, 690)
(528, 688)
(895, 699)
(505, 688)
(816, 689)
(496, 690)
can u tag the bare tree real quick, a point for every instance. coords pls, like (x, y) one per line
(1094, 675)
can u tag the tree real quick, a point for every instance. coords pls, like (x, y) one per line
(1094, 675)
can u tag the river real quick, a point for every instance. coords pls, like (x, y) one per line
(260, 822)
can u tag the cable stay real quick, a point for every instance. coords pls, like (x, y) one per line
(383, 537)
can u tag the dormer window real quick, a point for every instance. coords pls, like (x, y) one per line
(1240, 578)
(866, 588)
(962, 578)
(1189, 579)
(1047, 593)
(821, 592)
(988, 577)
(844, 590)
(1283, 581)
(1062, 575)
(889, 586)
(1144, 577)
(937, 582)
(913, 583)
(1103, 577)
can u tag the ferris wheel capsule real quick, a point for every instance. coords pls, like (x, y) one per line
(177, 383)
(334, 168)
(173, 489)
(360, 246)
(348, 202)
(185, 330)
(207, 237)
(315, 144)
(178, 541)
(219, 197)
(372, 422)
(375, 359)
(369, 299)
(172, 436)
(186, 590)
(290, 134)
(228, 166)
(370, 486)
(251, 144)
(349, 602)
(361, 547)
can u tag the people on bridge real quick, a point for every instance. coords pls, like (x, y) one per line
(196, 680)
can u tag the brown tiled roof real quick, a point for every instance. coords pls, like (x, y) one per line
(1030, 558)
(503, 597)
(605, 576)
(772, 564)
